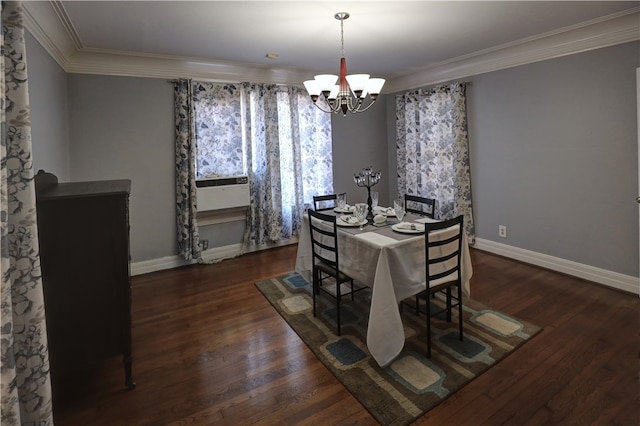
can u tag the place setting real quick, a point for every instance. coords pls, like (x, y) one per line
(358, 218)
(342, 206)
(399, 212)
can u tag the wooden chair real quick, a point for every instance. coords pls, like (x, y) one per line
(326, 263)
(420, 205)
(443, 254)
(324, 202)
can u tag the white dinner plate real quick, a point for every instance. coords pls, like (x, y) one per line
(352, 222)
(419, 229)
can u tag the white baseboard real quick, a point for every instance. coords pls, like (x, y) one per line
(602, 276)
(213, 255)
(160, 264)
(598, 275)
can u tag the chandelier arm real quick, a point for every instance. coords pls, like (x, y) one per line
(358, 109)
(329, 108)
(322, 109)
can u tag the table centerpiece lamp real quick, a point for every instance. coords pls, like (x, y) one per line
(367, 178)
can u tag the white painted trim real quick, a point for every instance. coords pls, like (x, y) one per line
(43, 24)
(219, 254)
(160, 264)
(47, 22)
(596, 34)
(602, 276)
(212, 255)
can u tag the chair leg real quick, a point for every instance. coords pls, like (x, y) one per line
(352, 298)
(449, 304)
(338, 297)
(428, 309)
(460, 310)
(313, 290)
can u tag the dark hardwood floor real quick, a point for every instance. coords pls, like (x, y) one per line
(209, 349)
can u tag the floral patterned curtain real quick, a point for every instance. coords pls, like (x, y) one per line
(188, 237)
(289, 159)
(433, 149)
(218, 125)
(273, 134)
(25, 388)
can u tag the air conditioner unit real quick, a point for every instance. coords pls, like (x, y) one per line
(222, 193)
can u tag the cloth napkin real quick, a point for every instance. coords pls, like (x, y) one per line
(348, 208)
(389, 211)
(409, 225)
(349, 219)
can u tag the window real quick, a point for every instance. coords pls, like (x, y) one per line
(304, 137)
(220, 145)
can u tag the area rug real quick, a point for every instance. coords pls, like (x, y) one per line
(411, 384)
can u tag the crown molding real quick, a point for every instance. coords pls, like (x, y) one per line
(43, 22)
(604, 32)
(130, 64)
(50, 25)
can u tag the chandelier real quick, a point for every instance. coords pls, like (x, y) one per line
(350, 92)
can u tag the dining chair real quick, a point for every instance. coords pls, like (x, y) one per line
(420, 205)
(326, 262)
(443, 254)
(324, 202)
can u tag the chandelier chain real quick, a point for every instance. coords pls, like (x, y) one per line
(342, 38)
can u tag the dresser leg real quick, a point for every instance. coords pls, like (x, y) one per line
(128, 379)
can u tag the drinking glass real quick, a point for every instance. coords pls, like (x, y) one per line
(398, 204)
(361, 214)
(400, 213)
(342, 200)
(374, 200)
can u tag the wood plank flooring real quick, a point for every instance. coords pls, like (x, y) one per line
(209, 349)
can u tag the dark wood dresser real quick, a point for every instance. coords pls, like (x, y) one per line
(83, 232)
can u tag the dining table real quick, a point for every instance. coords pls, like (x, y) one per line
(390, 259)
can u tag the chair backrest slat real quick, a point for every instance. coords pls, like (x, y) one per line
(443, 248)
(420, 205)
(324, 202)
(324, 238)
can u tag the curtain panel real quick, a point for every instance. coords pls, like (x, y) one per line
(289, 159)
(272, 133)
(186, 221)
(25, 387)
(433, 150)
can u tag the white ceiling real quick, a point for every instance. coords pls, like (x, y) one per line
(389, 39)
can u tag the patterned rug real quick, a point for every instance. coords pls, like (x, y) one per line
(412, 384)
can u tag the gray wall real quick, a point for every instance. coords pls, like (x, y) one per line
(48, 101)
(359, 141)
(554, 156)
(123, 128)
(553, 151)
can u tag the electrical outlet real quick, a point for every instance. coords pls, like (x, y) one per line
(205, 244)
(502, 231)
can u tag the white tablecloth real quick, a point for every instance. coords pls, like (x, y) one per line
(392, 264)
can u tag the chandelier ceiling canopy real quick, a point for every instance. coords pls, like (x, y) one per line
(349, 93)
